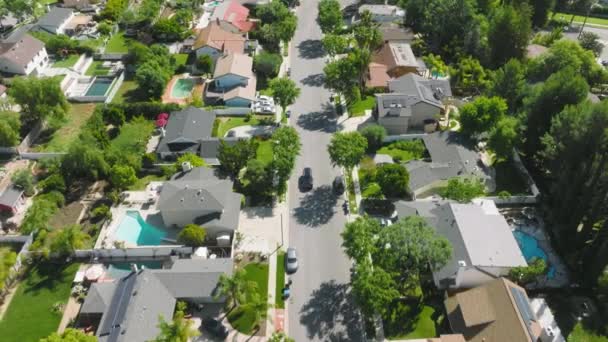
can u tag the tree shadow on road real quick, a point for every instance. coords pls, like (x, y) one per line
(311, 49)
(324, 121)
(331, 308)
(317, 207)
(314, 80)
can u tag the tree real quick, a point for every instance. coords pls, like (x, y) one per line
(540, 12)
(192, 235)
(70, 335)
(284, 92)
(347, 149)
(393, 180)
(509, 34)
(114, 116)
(25, 180)
(526, 274)
(38, 215)
(335, 44)
(233, 158)
(366, 33)
(375, 135)
(258, 178)
(410, 246)
(279, 336)
(257, 306)
(235, 288)
(83, 160)
(469, 77)
(590, 41)
(39, 98)
(267, 64)
(113, 9)
(54, 182)
(374, 289)
(463, 190)
(503, 137)
(436, 65)
(285, 148)
(180, 329)
(278, 24)
(481, 115)
(121, 176)
(169, 30)
(360, 59)
(152, 78)
(341, 76)
(104, 28)
(10, 127)
(358, 238)
(68, 239)
(330, 16)
(509, 82)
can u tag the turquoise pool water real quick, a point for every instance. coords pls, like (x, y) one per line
(530, 249)
(122, 269)
(99, 87)
(182, 88)
(135, 230)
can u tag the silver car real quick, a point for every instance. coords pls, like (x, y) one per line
(291, 261)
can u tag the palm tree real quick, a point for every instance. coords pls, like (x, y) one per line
(178, 330)
(235, 288)
(258, 306)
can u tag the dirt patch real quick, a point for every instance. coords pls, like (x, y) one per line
(67, 215)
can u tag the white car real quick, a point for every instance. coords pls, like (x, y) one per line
(265, 98)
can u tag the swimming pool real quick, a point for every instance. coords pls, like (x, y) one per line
(122, 269)
(182, 88)
(99, 87)
(530, 249)
(135, 230)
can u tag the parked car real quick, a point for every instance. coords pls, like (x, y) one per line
(265, 98)
(305, 180)
(291, 261)
(338, 185)
(288, 72)
(215, 327)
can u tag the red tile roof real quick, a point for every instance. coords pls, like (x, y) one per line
(237, 15)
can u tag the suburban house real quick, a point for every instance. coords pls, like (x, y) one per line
(451, 156)
(441, 338)
(484, 247)
(128, 309)
(215, 42)
(198, 196)
(498, 311)
(22, 54)
(234, 82)
(414, 103)
(383, 13)
(11, 199)
(392, 32)
(55, 20)
(77, 24)
(189, 131)
(78, 4)
(392, 60)
(232, 16)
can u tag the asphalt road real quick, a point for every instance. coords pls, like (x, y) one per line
(320, 307)
(601, 32)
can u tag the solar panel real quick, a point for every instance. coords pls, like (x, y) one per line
(524, 308)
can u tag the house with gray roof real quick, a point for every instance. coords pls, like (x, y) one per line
(190, 131)
(199, 196)
(129, 309)
(22, 54)
(382, 13)
(483, 246)
(451, 156)
(11, 199)
(414, 103)
(55, 20)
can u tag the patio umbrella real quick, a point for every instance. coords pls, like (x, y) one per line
(163, 116)
(94, 272)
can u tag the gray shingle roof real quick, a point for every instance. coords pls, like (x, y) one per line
(184, 130)
(98, 298)
(11, 195)
(20, 48)
(408, 90)
(55, 17)
(209, 149)
(194, 278)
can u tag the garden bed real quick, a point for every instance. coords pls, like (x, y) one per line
(404, 150)
(117, 44)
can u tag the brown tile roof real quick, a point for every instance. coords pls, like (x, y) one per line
(247, 92)
(504, 321)
(234, 63)
(213, 35)
(377, 76)
(22, 51)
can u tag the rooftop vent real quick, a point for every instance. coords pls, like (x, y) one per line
(462, 263)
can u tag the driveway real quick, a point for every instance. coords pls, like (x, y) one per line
(321, 306)
(262, 228)
(249, 131)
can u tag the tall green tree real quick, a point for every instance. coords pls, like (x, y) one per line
(10, 127)
(267, 64)
(366, 33)
(70, 335)
(341, 76)
(509, 34)
(258, 177)
(358, 238)
(257, 307)
(481, 115)
(83, 160)
(526, 274)
(180, 329)
(468, 77)
(347, 149)
(204, 64)
(504, 137)
(39, 98)
(393, 180)
(335, 44)
(235, 288)
(375, 135)
(68, 239)
(285, 148)
(122, 176)
(330, 16)
(233, 158)
(360, 59)
(509, 82)
(436, 65)
(284, 91)
(463, 190)
(153, 78)
(540, 11)
(373, 288)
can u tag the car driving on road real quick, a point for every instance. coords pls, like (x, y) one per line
(305, 180)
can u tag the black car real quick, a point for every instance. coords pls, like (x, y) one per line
(338, 185)
(215, 327)
(306, 180)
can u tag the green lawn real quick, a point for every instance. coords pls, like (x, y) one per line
(358, 108)
(67, 62)
(581, 334)
(180, 59)
(30, 316)
(60, 139)
(227, 124)
(128, 92)
(141, 182)
(117, 44)
(96, 69)
(242, 318)
(264, 152)
(279, 302)
(404, 150)
(580, 19)
(367, 179)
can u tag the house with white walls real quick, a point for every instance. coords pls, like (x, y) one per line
(22, 54)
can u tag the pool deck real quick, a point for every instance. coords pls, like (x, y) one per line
(168, 98)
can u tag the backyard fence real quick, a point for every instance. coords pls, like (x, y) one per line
(237, 111)
(136, 253)
(40, 155)
(26, 241)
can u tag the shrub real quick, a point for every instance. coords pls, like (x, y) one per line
(373, 190)
(54, 197)
(192, 235)
(25, 180)
(375, 135)
(101, 212)
(463, 190)
(393, 179)
(53, 182)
